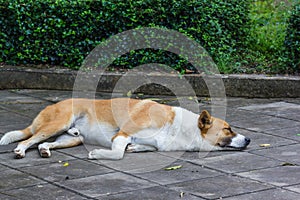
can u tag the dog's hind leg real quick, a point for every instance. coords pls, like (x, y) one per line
(43, 133)
(14, 136)
(63, 141)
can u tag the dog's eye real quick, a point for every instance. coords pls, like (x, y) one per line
(229, 129)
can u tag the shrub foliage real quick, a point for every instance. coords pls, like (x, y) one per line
(292, 40)
(62, 32)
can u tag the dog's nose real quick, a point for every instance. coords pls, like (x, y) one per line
(247, 141)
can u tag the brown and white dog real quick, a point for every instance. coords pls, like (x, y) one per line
(124, 124)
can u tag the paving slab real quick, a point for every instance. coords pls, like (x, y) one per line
(290, 153)
(11, 127)
(12, 179)
(235, 114)
(243, 102)
(7, 196)
(53, 96)
(220, 186)
(279, 109)
(80, 151)
(191, 156)
(254, 173)
(7, 148)
(158, 192)
(138, 162)
(30, 109)
(66, 170)
(278, 194)
(101, 185)
(12, 119)
(41, 191)
(295, 188)
(261, 124)
(258, 138)
(278, 176)
(233, 163)
(32, 158)
(186, 172)
(292, 133)
(9, 95)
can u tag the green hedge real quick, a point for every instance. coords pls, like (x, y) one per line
(62, 32)
(292, 41)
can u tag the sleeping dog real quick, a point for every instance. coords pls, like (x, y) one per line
(124, 124)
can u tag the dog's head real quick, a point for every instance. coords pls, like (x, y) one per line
(219, 134)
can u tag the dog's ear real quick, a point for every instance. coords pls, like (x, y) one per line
(204, 121)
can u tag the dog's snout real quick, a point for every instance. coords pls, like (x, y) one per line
(247, 141)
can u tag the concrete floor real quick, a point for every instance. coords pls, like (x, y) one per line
(255, 173)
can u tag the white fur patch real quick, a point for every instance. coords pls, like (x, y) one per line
(238, 141)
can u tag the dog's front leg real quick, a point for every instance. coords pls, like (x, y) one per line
(116, 153)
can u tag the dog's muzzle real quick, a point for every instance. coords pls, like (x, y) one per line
(239, 142)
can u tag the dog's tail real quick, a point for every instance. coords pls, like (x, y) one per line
(14, 136)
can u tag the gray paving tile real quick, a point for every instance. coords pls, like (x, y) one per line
(5, 196)
(9, 118)
(42, 191)
(11, 179)
(138, 162)
(9, 96)
(80, 151)
(219, 187)
(278, 109)
(3, 168)
(191, 156)
(292, 100)
(26, 109)
(289, 133)
(279, 176)
(260, 124)
(258, 138)
(295, 188)
(289, 153)
(58, 95)
(274, 194)
(187, 172)
(159, 192)
(272, 121)
(266, 107)
(7, 148)
(53, 95)
(57, 171)
(242, 102)
(233, 163)
(106, 184)
(32, 158)
(234, 115)
(11, 126)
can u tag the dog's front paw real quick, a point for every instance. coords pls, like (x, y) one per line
(19, 153)
(95, 154)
